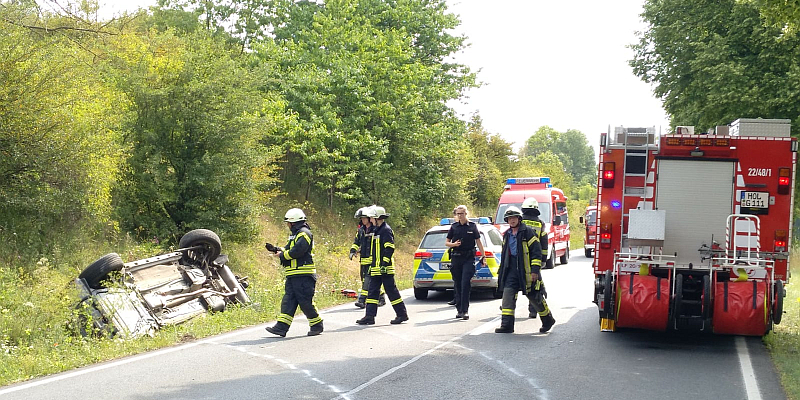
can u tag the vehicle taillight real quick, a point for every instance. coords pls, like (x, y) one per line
(605, 236)
(485, 253)
(722, 142)
(705, 141)
(423, 254)
(689, 142)
(673, 141)
(608, 174)
(780, 240)
(784, 179)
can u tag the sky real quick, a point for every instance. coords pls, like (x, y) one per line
(563, 64)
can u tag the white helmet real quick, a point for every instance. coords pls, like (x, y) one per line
(530, 202)
(361, 212)
(379, 212)
(512, 211)
(294, 215)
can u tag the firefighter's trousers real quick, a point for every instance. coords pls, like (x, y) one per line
(387, 282)
(536, 299)
(509, 303)
(365, 278)
(298, 291)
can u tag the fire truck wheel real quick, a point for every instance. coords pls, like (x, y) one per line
(677, 298)
(777, 311)
(565, 258)
(588, 253)
(707, 306)
(608, 294)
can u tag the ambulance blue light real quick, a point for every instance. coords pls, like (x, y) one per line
(446, 221)
(616, 204)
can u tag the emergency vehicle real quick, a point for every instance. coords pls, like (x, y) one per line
(553, 209)
(589, 221)
(693, 230)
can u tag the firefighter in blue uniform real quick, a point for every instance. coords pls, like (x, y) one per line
(519, 271)
(382, 269)
(530, 217)
(361, 247)
(301, 276)
(461, 239)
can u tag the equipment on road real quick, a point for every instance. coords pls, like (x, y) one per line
(693, 230)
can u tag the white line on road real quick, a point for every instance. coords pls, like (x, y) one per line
(749, 376)
(485, 327)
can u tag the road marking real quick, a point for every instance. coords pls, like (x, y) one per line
(485, 327)
(749, 376)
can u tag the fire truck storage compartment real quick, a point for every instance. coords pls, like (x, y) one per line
(740, 308)
(697, 197)
(643, 301)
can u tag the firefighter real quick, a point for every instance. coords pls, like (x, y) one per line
(530, 217)
(382, 269)
(361, 246)
(301, 276)
(461, 239)
(519, 271)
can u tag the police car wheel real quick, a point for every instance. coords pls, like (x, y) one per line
(420, 294)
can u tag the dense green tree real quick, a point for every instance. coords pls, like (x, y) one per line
(491, 156)
(571, 148)
(714, 61)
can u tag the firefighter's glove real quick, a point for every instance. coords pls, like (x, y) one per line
(269, 246)
(352, 253)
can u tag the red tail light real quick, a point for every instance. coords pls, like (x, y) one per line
(784, 179)
(608, 174)
(423, 254)
(605, 236)
(780, 240)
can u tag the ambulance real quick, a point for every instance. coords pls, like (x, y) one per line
(553, 209)
(694, 229)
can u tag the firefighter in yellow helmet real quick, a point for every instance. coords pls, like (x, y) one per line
(382, 269)
(361, 246)
(519, 270)
(301, 276)
(530, 217)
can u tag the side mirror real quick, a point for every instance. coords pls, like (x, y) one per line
(580, 219)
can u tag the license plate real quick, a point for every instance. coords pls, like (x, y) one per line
(754, 199)
(444, 266)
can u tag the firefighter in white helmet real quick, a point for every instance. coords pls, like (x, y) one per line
(361, 247)
(519, 270)
(382, 269)
(530, 217)
(301, 275)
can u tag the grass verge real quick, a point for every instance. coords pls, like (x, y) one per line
(784, 341)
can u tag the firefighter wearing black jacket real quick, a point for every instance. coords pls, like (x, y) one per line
(519, 271)
(301, 276)
(530, 217)
(382, 269)
(361, 247)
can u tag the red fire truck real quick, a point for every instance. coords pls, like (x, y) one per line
(589, 220)
(693, 230)
(553, 209)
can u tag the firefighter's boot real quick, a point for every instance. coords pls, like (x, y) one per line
(366, 321)
(316, 329)
(532, 311)
(547, 322)
(382, 300)
(506, 325)
(399, 319)
(361, 301)
(279, 329)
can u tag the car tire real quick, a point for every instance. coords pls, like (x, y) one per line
(97, 271)
(565, 258)
(588, 253)
(211, 246)
(549, 264)
(497, 294)
(420, 294)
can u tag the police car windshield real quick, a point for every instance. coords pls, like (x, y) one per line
(544, 210)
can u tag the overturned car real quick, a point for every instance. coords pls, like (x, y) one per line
(163, 290)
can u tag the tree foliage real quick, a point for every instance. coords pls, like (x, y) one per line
(570, 149)
(714, 61)
(492, 157)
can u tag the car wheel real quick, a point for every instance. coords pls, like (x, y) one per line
(497, 294)
(97, 271)
(549, 263)
(588, 253)
(565, 258)
(208, 243)
(420, 294)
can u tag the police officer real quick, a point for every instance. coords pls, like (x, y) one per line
(519, 271)
(301, 276)
(382, 269)
(530, 217)
(361, 246)
(461, 239)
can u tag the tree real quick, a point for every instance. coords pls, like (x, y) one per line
(490, 154)
(571, 149)
(712, 62)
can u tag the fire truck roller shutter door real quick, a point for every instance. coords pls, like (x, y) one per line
(697, 197)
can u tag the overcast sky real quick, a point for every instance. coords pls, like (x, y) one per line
(560, 63)
(563, 64)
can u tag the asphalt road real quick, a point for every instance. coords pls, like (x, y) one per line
(434, 356)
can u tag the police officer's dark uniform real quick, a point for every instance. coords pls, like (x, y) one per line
(361, 246)
(462, 263)
(301, 277)
(521, 256)
(530, 217)
(382, 270)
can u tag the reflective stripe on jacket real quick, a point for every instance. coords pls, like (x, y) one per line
(530, 261)
(297, 256)
(362, 243)
(538, 227)
(382, 250)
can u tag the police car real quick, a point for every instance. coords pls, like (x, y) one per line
(432, 261)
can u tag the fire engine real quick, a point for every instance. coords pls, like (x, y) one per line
(589, 220)
(693, 230)
(553, 209)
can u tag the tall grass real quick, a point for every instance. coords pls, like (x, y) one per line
(784, 341)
